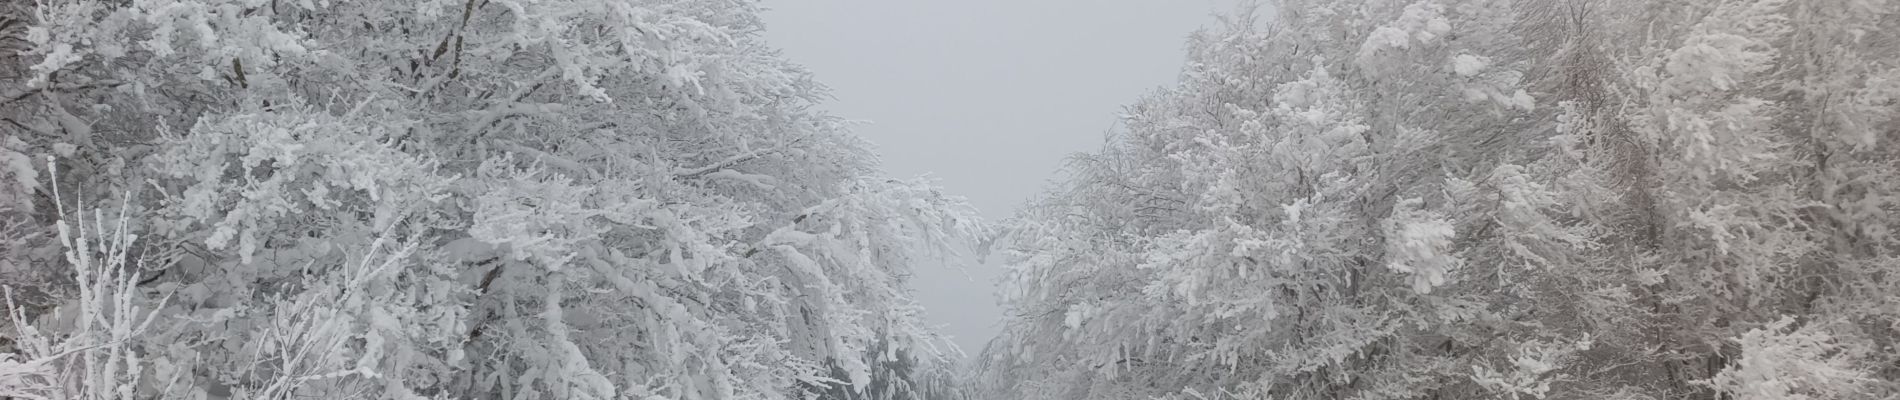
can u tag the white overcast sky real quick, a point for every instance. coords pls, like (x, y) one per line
(986, 96)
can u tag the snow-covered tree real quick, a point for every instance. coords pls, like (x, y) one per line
(464, 199)
(1388, 199)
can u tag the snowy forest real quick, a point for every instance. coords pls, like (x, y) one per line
(644, 199)
(1482, 199)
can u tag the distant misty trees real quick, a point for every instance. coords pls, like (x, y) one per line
(1458, 199)
(574, 199)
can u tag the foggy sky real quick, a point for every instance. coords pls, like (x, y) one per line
(988, 97)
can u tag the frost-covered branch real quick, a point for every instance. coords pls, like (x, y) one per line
(733, 160)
